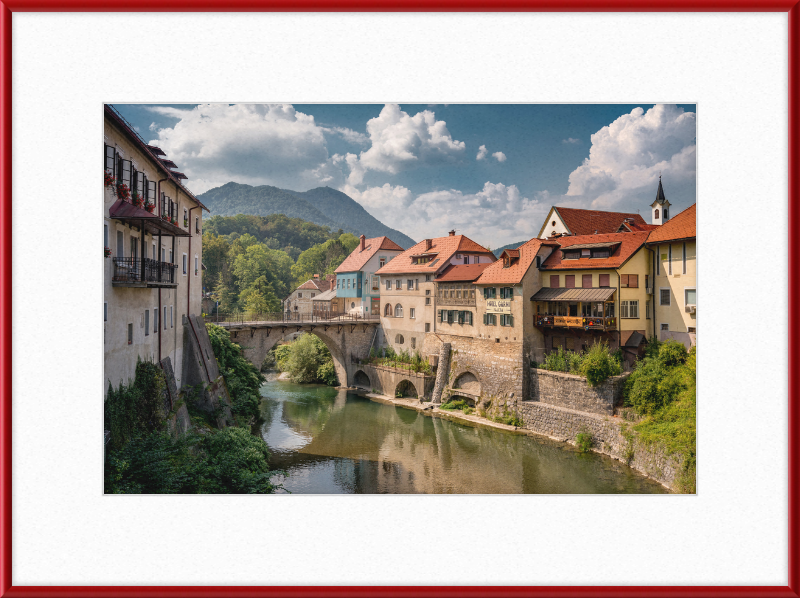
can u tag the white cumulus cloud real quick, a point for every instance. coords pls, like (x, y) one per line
(570, 140)
(482, 151)
(499, 156)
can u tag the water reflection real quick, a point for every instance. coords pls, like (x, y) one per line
(331, 441)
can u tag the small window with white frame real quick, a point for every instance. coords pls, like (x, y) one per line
(171, 322)
(690, 296)
(155, 320)
(105, 311)
(412, 313)
(185, 263)
(196, 265)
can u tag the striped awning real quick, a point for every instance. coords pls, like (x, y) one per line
(562, 294)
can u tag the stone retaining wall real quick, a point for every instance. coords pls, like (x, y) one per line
(385, 380)
(607, 437)
(573, 392)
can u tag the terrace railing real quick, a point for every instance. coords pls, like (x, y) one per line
(287, 318)
(130, 270)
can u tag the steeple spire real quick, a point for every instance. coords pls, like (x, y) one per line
(660, 198)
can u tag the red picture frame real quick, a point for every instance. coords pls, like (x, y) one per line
(6, 10)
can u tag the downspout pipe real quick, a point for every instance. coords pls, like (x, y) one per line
(653, 275)
(189, 282)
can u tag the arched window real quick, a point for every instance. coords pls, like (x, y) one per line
(398, 311)
(387, 311)
(666, 213)
(656, 215)
(554, 223)
(399, 339)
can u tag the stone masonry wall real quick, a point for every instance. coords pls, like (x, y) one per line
(573, 392)
(386, 379)
(607, 435)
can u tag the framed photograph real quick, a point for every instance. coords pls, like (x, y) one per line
(398, 251)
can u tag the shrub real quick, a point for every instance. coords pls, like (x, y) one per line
(326, 373)
(242, 378)
(672, 353)
(306, 358)
(583, 441)
(598, 364)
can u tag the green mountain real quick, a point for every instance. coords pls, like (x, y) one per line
(323, 206)
(499, 250)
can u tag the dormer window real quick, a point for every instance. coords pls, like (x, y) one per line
(571, 255)
(600, 253)
(506, 262)
(586, 253)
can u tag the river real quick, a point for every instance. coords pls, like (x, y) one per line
(336, 442)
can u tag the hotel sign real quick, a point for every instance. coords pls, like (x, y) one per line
(498, 306)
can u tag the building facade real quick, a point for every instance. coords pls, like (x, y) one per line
(358, 289)
(674, 248)
(300, 302)
(152, 279)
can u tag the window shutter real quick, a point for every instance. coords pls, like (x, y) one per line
(623, 280)
(633, 281)
(569, 281)
(110, 159)
(141, 186)
(494, 293)
(554, 281)
(485, 292)
(510, 320)
(469, 318)
(151, 191)
(586, 281)
(511, 293)
(605, 280)
(485, 319)
(441, 313)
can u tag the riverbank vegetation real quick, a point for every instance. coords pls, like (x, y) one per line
(307, 361)
(253, 262)
(596, 364)
(403, 359)
(663, 390)
(144, 456)
(458, 404)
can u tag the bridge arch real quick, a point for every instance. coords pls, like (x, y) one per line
(406, 389)
(362, 380)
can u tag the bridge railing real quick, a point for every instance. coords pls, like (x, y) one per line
(287, 318)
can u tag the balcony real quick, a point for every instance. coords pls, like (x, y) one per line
(144, 273)
(468, 301)
(585, 322)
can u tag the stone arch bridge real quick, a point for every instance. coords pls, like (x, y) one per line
(348, 341)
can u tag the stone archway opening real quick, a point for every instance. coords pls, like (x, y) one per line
(405, 390)
(469, 383)
(361, 380)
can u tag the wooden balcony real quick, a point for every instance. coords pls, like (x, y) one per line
(138, 272)
(585, 322)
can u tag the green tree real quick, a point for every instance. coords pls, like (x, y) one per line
(242, 378)
(310, 361)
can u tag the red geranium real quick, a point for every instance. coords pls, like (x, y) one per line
(109, 180)
(123, 191)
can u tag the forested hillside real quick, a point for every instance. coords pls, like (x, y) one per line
(254, 262)
(322, 206)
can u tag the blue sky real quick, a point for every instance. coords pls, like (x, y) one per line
(492, 172)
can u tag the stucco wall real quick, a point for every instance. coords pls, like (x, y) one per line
(675, 314)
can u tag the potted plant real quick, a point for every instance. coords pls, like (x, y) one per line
(109, 180)
(137, 200)
(107, 252)
(150, 207)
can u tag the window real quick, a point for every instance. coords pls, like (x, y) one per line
(451, 316)
(554, 281)
(409, 285)
(348, 283)
(105, 312)
(383, 262)
(427, 291)
(633, 281)
(489, 293)
(155, 320)
(629, 309)
(569, 281)
(147, 322)
(134, 247)
(388, 285)
(490, 319)
(398, 284)
(466, 259)
(130, 333)
(387, 311)
(666, 213)
(109, 159)
(165, 317)
(427, 327)
(690, 296)
(398, 311)
(105, 236)
(412, 313)
(647, 309)
(124, 172)
(665, 296)
(669, 258)
(506, 320)
(692, 330)
(586, 281)
(413, 343)
(184, 263)
(506, 292)
(197, 266)
(656, 216)
(337, 284)
(468, 317)
(586, 253)
(299, 295)
(197, 224)
(600, 253)
(460, 317)
(684, 257)
(312, 295)
(647, 281)
(399, 339)
(553, 223)
(428, 277)
(571, 255)
(170, 317)
(665, 327)
(427, 300)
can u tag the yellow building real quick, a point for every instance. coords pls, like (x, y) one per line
(675, 249)
(596, 288)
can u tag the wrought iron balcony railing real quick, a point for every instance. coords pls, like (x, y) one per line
(143, 270)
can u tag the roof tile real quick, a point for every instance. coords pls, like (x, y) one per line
(445, 247)
(629, 243)
(356, 260)
(496, 274)
(586, 222)
(462, 272)
(682, 226)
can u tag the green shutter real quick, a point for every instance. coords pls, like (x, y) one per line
(510, 320)
(485, 292)
(511, 293)
(494, 293)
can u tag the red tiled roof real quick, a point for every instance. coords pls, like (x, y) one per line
(682, 226)
(635, 227)
(461, 272)
(446, 247)
(314, 285)
(586, 222)
(629, 243)
(514, 273)
(512, 252)
(356, 260)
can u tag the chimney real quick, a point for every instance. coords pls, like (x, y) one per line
(316, 275)
(363, 242)
(428, 244)
(452, 233)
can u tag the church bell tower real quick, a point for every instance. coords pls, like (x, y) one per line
(660, 207)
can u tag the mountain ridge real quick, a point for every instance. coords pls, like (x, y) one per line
(323, 205)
